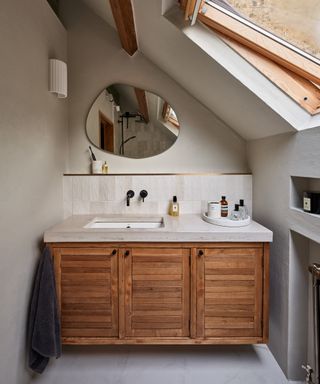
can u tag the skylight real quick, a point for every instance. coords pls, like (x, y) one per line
(294, 21)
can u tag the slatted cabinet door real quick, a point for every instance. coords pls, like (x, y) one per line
(88, 293)
(156, 292)
(229, 292)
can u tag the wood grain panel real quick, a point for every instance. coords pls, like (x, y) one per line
(123, 16)
(301, 90)
(156, 306)
(268, 47)
(224, 292)
(229, 292)
(142, 103)
(157, 292)
(89, 291)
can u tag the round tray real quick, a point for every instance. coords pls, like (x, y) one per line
(226, 222)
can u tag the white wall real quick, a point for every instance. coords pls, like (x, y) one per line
(273, 161)
(97, 60)
(33, 142)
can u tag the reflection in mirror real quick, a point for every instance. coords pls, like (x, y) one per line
(131, 122)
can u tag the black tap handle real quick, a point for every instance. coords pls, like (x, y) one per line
(130, 195)
(143, 194)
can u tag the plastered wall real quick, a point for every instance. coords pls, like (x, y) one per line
(96, 60)
(33, 147)
(273, 161)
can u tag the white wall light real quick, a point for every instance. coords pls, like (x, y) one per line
(58, 81)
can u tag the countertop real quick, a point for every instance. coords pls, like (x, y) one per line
(185, 228)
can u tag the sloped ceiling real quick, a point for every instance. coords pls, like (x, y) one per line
(102, 8)
(197, 72)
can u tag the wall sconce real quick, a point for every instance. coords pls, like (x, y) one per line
(58, 82)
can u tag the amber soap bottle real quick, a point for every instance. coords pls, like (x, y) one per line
(224, 207)
(174, 207)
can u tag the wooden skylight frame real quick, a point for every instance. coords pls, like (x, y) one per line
(295, 74)
(167, 116)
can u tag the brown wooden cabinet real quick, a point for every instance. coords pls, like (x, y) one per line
(229, 284)
(163, 293)
(156, 292)
(87, 286)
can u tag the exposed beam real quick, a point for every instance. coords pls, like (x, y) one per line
(142, 102)
(123, 17)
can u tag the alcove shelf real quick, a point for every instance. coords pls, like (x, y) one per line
(306, 224)
(300, 184)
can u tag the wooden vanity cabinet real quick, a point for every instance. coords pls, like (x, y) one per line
(163, 293)
(156, 292)
(230, 292)
(87, 286)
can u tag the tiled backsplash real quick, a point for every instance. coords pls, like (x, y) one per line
(107, 194)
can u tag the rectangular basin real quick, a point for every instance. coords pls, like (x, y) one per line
(123, 223)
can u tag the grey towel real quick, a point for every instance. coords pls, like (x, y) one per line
(44, 324)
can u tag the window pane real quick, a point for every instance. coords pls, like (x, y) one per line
(296, 21)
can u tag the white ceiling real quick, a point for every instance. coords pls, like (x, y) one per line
(188, 64)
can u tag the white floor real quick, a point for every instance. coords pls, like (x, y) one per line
(164, 365)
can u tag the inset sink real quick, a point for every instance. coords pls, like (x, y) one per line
(125, 223)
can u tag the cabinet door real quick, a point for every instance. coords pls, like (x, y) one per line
(156, 292)
(87, 284)
(229, 292)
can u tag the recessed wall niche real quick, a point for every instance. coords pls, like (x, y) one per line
(304, 252)
(298, 186)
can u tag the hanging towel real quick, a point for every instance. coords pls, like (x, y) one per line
(44, 324)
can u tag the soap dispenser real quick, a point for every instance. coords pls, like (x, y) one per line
(244, 214)
(235, 215)
(174, 207)
(105, 168)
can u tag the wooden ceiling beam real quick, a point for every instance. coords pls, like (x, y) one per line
(123, 16)
(142, 102)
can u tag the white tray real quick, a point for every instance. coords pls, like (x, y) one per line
(226, 222)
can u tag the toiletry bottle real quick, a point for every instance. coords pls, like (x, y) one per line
(174, 207)
(224, 207)
(244, 214)
(105, 168)
(236, 215)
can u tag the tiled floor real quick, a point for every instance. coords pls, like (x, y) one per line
(165, 365)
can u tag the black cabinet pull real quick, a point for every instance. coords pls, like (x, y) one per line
(200, 253)
(127, 253)
(114, 252)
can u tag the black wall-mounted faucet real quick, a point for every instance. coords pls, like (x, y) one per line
(143, 194)
(130, 195)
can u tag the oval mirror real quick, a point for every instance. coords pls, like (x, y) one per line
(131, 122)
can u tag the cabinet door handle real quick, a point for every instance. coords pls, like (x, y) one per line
(200, 253)
(114, 252)
(127, 253)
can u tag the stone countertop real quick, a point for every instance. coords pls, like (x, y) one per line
(185, 228)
